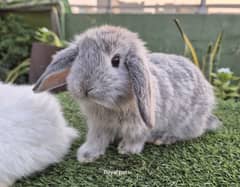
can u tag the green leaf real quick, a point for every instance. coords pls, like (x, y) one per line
(21, 69)
(46, 36)
(188, 43)
(214, 52)
(234, 78)
(235, 94)
(233, 88)
(217, 82)
(214, 75)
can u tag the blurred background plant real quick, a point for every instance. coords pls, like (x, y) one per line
(48, 13)
(208, 63)
(18, 71)
(16, 39)
(226, 84)
(46, 36)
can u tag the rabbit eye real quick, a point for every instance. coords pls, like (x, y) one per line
(115, 61)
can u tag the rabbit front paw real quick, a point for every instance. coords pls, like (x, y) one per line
(130, 148)
(88, 154)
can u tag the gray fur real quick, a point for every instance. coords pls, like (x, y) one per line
(164, 91)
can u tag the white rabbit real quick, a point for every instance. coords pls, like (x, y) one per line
(33, 132)
(129, 93)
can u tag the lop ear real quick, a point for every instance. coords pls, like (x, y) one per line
(56, 72)
(142, 87)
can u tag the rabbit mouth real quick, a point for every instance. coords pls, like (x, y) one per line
(105, 104)
(92, 96)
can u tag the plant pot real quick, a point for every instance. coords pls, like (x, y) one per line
(41, 57)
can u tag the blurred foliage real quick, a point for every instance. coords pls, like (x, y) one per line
(57, 8)
(49, 37)
(16, 38)
(64, 4)
(210, 60)
(226, 84)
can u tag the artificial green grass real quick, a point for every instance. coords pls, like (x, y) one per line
(212, 160)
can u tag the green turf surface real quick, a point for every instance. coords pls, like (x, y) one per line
(212, 160)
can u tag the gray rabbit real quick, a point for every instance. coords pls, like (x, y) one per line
(130, 94)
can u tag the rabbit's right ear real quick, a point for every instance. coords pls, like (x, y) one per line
(56, 73)
(142, 87)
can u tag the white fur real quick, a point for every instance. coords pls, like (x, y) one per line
(33, 132)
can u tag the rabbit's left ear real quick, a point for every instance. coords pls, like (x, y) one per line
(56, 73)
(142, 87)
